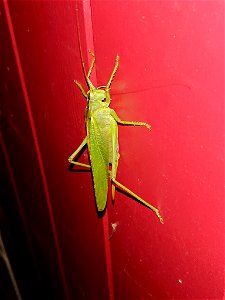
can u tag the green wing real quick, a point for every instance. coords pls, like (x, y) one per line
(99, 163)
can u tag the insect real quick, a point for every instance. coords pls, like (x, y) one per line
(102, 140)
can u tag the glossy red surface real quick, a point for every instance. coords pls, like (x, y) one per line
(171, 75)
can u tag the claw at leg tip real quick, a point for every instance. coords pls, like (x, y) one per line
(159, 216)
(161, 220)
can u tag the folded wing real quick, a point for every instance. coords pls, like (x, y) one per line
(99, 162)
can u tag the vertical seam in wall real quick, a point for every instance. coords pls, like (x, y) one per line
(89, 36)
(18, 202)
(108, 256)
(37, 147)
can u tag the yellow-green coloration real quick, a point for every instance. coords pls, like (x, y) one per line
(102, 140)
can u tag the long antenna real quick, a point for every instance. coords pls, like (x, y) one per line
(79, 40)
(87, 76)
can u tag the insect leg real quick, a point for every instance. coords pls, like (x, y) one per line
(115, 154)
(81, 88)
(90, 84)
(113, 72)
(125, 189)
(118, 120)
(92, 63)
(71, 158)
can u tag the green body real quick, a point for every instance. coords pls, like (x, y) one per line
(102, 133)
(102, 140)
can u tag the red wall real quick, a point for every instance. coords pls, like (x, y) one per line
(171, 75)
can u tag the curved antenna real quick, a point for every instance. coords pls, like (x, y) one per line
(79, 39)
(86, 75)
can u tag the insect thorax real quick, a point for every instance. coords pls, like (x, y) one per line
(98, 99)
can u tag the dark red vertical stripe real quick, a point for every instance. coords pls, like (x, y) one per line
(108, 256)
(15, 189)
(88, 28)
(34, 133)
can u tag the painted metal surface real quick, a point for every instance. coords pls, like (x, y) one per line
(171, 76)
(46, 38)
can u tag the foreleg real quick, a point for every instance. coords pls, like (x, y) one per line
(118, 120)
